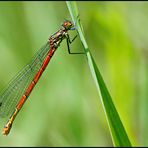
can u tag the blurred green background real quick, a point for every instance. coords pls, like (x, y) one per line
(64, 108)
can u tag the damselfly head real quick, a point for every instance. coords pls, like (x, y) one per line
(68, 25)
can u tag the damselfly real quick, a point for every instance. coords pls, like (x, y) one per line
(16, 93)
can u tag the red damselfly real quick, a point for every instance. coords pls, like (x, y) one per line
(16, 93)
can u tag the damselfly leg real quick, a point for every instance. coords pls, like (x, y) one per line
(69, 42)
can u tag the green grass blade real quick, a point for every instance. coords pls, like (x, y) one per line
(118, 133)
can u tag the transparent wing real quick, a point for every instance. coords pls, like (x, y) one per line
(10, 96)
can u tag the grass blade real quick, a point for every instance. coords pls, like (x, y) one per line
(118, 133)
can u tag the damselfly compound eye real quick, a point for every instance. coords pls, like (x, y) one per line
(67, 24)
